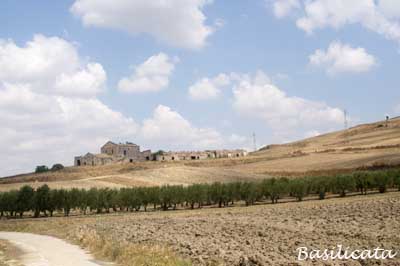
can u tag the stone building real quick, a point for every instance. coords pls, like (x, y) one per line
(126, 151)
(91, 159)
(112, 153)
(199, 155)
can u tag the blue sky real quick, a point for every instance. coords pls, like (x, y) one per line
(216, 71)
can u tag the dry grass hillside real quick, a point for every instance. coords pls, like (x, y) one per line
(366, 145)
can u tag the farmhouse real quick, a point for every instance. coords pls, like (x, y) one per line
(129, 152)
(112, 153)
(198, 155)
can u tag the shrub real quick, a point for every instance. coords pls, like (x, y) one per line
(41, 169)
(57, 167)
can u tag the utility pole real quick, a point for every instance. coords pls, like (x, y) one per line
(346, 124)
(254, 141)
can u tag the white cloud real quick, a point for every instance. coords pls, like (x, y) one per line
(282, 8)
(219, 23)
(206, 89)
(340, 58)
(179, 23)
(168, 128)
(50, 65)
(377, 16)
(390, 8)
(48, 105)
(287, 115)
(49, 110)
(86, 81)
(151, 76)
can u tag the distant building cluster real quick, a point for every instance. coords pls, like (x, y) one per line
(112, 153)
(129, 152)
(198, 155)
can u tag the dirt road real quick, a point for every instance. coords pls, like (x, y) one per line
(41, 250)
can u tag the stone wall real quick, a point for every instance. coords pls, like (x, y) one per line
(199, 155)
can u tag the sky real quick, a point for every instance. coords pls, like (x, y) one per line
(189, 74)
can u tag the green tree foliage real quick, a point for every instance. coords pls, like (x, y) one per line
(41, 169)
(250, 192)
(320, 185)
(383, 180)
(275, 189)
(25, 199)
(46, 201)
(299, 188)
(363, 181)
(195, 194)
(396, 179)
(57, 167)
(343, 184)
(42, 200)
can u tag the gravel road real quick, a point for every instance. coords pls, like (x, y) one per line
(41, 250)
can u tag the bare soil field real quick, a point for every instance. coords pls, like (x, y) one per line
(258, 235)
(361, 146)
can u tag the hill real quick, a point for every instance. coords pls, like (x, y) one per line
(364, 146)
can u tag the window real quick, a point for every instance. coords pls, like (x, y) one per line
(124, 152)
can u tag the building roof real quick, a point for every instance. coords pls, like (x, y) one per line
(120, 144)
(109, 142)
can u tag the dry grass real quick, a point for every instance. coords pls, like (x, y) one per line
(129, 254)
(8, 254)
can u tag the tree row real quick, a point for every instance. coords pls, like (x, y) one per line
(46, 201)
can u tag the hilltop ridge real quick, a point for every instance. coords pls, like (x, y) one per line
(364, 146)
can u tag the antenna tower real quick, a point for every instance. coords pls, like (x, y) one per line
(254, 142)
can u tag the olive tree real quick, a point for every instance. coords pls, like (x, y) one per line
(299, 188)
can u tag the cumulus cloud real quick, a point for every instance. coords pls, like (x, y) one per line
(180, 23)
(168, 128)
(377, 16)
(48, 105)
(390, 8)
(282, 8)
(151, 76)
(50, 112)
(50, 65)
(206, 89)
(340, 58)
(254, 96)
